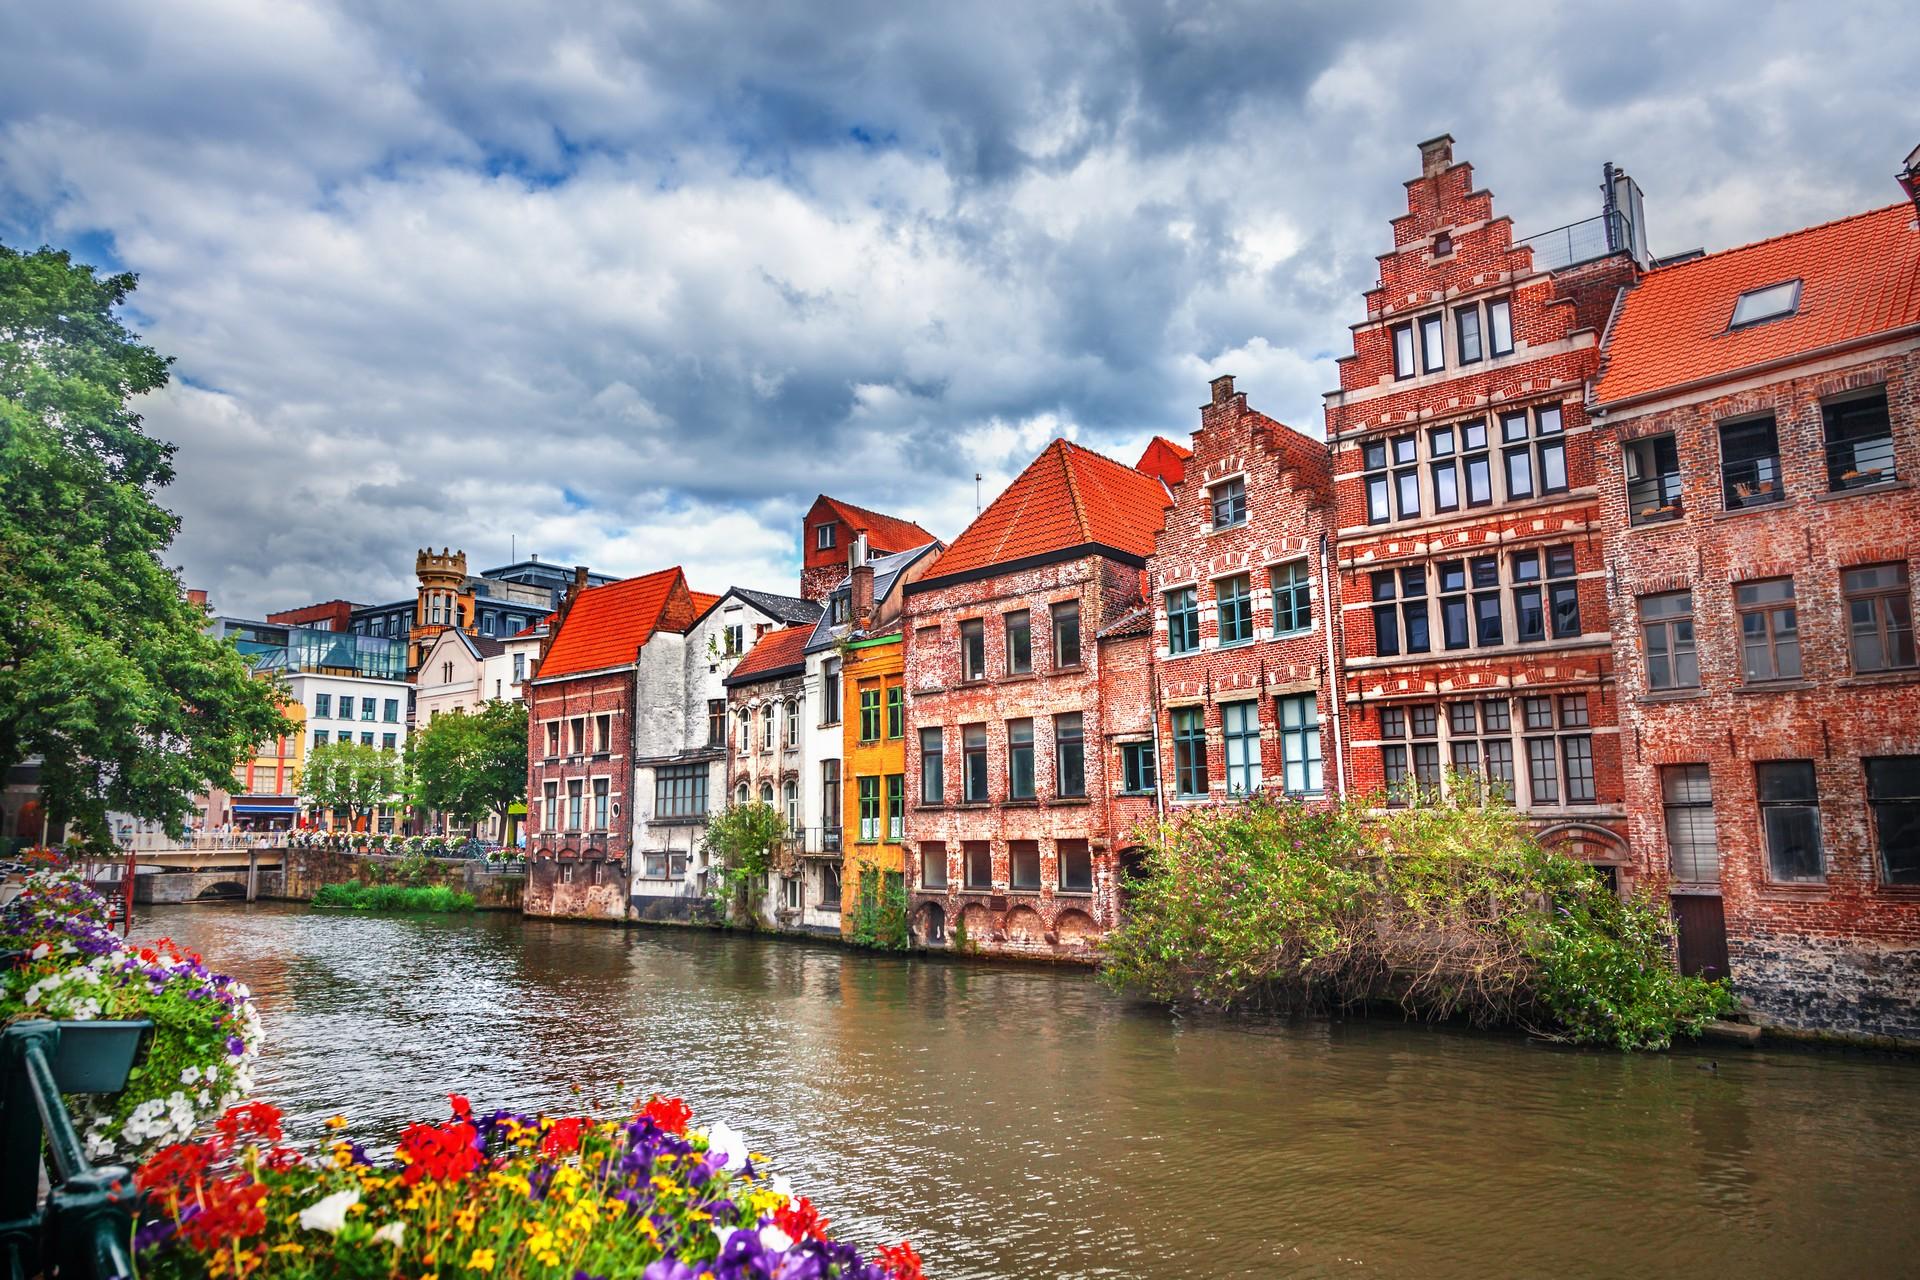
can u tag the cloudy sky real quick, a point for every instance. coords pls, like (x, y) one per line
(628, 283)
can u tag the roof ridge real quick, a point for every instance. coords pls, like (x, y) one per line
(1073, 490)
(1775, 239)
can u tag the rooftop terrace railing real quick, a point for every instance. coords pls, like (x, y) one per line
(1577, 242)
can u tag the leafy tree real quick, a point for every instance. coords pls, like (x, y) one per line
(472, 765)
(106, 671)
(740, 843)
(352, 778)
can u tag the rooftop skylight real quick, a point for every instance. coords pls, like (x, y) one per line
(1770, 303)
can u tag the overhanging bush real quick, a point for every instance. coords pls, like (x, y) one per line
(1448, 908)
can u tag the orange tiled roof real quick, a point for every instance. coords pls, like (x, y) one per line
(776, 650)
(702, 601)
(607, 625)
(1860, 277)
(1068, 496)
(885, 533)
(1164, 459)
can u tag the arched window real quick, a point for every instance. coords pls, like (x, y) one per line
(793, 724)
(766, 794)
(790, 798)
(740, 794)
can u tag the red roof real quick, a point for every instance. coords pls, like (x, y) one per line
(526, 631)
(885, 533)
(703, 602)
(776, 651)
(607, 625)
(1860, 276)
(1164, 459)
(1067, 497)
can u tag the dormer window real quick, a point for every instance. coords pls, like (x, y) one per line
(1758, 305)
(823, 537)
(838, 610)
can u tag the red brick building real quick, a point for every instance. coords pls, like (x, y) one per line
(580, 703)
(1240, 575)
(1757, 440)
(828, 536)
(1017, 728)
(1471, 572)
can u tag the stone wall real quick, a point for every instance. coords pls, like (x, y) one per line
(309, 869)
(1853, 987)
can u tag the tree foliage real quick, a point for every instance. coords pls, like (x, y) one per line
(470, 765)
(1448, 908)
(106, 672)
(740, 840)
(352, 778)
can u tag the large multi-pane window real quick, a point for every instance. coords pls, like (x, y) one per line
(1292, 597)
(1066, 633)
(680, 791)
(575, 792)
(323, 706)
(1241, 723)
(933, 764)
(896, 807)
(1544, 603)
(1392, 477)
(1750, 463)
(1693, 845)
(973, 758)
(977, 862)
(933, 865)
(1020, 759)
(1299, 717)
(1023, 864)
(868, 794)
(1666, 637)
(602, 788)
(1653, 479)
(1069, 755)
(1400, 611)
(1481, 741)
(1559, 766)
(896, 711)
(1469, 617)
(1019, 629)
(1859, 438)
(1139, 771)
(367, 708)
(1893, 794)
(1229, 499)
(1406, 763)
(1790, 816)
(1183, 621)
(973, 649)
(1190, 751)
(1235, 598)
(870, 714)
(1076, 865)
(1879, 601)
(346, 706)
(1769, 629)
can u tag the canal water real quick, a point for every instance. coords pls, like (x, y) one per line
(1027, 1122)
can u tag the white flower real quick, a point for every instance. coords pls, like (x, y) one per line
(724, 1142)
(40, 952)
(775, 1239)
(391, 1233)
(330, 1213)
(779, 1185)
(190, 1076)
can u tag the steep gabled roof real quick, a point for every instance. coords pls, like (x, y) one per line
(887, 573)
(703, 601)
(1860, 276)
(1067, 497)
(788, 609)
(482, 646)
(606, 626)
(1164, 460)
(884, 532)
(778, 653)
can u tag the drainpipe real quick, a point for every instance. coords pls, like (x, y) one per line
(1327, 616)
(1159, 782)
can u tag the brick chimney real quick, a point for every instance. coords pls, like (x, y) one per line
(1436, 155)
(1226, 402)
(862, 602)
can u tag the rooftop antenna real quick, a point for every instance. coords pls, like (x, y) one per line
(513, 556)
(976, 493)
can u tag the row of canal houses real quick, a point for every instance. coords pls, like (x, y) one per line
(1630, 539)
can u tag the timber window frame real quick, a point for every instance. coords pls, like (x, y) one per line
(896, 807)
(1893, 798)
(973, 760)
(1228, 502)
(973, 650)
(1018, 627)
(1467, 334)
(1023, 865)
(933, 757)
(679, 791)
(1879, 604)
(1400, 336)
(867, 796)
(1433, 342)
(1750, 462)
(1769, 629)
(870, 712)
(1069, 756)
(1693, 839)
(933, 865)
(1233, 610)
(1298, 716)
(1073, 868)
(1183, 620)
(1653, 479)
(1240, 732)
(1788, 795)
(976, 857)
(1190, 753)
(1500, 327)
(1139, 769)
(896, 712)
(1667, 641)
(1858, 434)
(1292, 587)
(1065, 617)
(1020, 779)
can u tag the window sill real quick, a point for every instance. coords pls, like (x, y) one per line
(1225, 528)
(1821, 892)
(1773, 686)
(1884, 486)
(1069, 668)
(1673, 695)
(1735, 513)
(1073, 893)
(1649, 522)
(1693, 889)
(1013, 677)
(1233, 644)
(1905, 675)
(1071, 802)
(1029, 802)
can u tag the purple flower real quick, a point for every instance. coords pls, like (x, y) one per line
(236, 1047)
(666, 1269)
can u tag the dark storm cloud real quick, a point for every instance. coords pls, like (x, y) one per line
(630, 283)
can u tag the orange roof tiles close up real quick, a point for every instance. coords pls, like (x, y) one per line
(885, 533)
(776, 651)
(606, 625)
(1067, 497)
(1860, 276)
(1165, 460)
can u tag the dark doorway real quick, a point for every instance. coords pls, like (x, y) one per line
(1703, 935)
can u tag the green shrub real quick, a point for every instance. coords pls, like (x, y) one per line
(1447, 908)
(880, 918)
(356, 896)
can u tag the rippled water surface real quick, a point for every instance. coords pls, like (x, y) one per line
(1025, 1122)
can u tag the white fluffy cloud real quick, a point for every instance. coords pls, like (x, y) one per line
(629, 284)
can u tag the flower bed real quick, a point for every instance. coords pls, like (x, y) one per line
(206, 1032)
(566, 1197)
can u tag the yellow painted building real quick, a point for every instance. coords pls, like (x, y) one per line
(874, 773)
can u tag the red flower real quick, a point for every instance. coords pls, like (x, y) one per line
(461, 1107)
(670, 1114)
(564, 1137)
(229, 1210)
(901, 1262)
(172, 1165)
(800, 1220)
(250, 1119)
(443, 1151)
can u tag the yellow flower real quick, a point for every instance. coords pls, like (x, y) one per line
(482, 1260)
(464, 1220)
(336, 1122)
(292, 1246)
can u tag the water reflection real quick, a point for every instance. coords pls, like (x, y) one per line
(1024, 1122)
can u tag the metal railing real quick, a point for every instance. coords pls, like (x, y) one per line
(1858, 461)
(85, 1226)
(1578, 242)
(1657, 497)
(1750, 482)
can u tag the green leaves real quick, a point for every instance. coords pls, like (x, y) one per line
(469, 765)
(351, 778)
(106, 672)
(740, 842)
